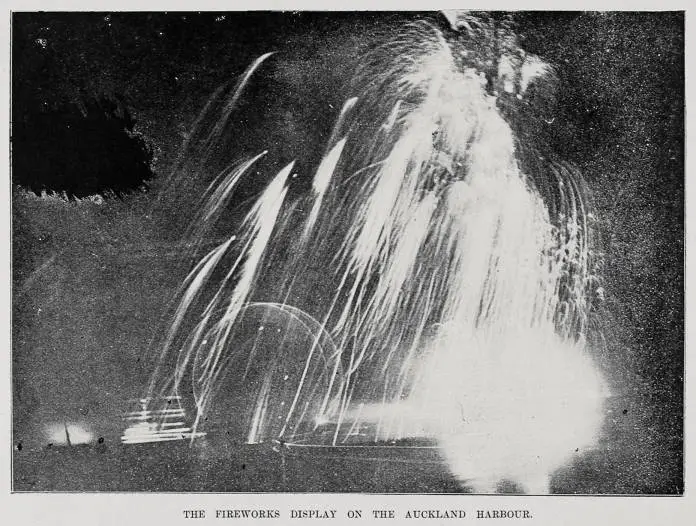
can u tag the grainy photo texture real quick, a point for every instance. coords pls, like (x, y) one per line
(348, 252)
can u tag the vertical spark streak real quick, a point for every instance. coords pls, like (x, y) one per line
(229, 108)
(320, 184)
(338, 127)
(227, 182)
(260, 221)
(198, 145)
(192, 286)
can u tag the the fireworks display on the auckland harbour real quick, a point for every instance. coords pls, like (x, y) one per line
(457, 274)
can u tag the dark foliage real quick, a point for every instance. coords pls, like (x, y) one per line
(81, 150)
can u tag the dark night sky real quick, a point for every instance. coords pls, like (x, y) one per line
(91, 282)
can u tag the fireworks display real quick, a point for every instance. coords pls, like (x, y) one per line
(434, 281)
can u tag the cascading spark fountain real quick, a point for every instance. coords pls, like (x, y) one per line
(432, 282)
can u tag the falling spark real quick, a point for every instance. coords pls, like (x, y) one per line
(203, 138)
(321, 181)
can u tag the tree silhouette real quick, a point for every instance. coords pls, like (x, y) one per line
(80, 149)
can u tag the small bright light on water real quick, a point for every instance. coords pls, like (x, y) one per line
(57, 434)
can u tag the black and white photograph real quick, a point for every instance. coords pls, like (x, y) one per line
(347, 252)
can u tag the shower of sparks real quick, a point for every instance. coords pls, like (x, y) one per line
(428, 284)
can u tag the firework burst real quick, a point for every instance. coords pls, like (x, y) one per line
(432, 281)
